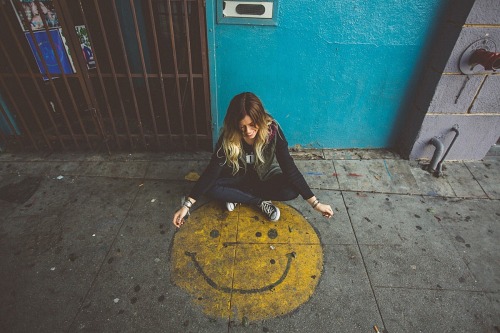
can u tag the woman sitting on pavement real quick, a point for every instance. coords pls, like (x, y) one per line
(242, 169)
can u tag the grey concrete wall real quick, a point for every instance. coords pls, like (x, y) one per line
(474, 131)
(445, 96)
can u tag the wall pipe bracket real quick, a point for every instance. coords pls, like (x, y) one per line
(436, 165)
(437, 154)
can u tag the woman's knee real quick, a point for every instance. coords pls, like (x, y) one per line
(282, 194)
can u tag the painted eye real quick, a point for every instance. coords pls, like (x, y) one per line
(272, 233)
(258, 234)
(214, 233)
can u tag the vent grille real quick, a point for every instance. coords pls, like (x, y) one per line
(249, 9)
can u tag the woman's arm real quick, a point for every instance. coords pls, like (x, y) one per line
(291, 171)
(207, 179)
(209, 175)
(289, 168)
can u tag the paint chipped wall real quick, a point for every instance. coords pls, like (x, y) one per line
(447, 97)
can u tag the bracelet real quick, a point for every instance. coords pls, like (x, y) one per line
(187, 203)
(315, 203)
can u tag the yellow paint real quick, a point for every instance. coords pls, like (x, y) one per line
(192, 176)
(227, 261)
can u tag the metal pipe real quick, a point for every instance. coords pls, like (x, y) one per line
(127, 69)
(437, 154)
(81, 71)
(440, 164)
(204, 64)
(144, 71)
(176, 70)
(52, 43)
(160, 71)
(104, 92)
(113, 75)
(190, 66)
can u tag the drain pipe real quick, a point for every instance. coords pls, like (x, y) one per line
(439, 169)
(437, 154)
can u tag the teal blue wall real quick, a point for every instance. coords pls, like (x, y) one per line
(332, 72)
(5, 128)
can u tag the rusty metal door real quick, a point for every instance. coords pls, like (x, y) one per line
(104, 75)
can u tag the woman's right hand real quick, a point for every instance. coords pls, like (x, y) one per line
(179, 215)
(325, 210)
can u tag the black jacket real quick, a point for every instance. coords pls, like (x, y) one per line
(276, 150)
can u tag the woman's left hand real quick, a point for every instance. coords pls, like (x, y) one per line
(326, 210)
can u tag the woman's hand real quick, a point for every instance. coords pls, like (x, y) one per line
(179, 215)
(187, 203)
(325, 210)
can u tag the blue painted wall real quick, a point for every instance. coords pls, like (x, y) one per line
(5, 128)
(332, 72)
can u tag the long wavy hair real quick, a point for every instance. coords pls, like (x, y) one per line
(242, 105)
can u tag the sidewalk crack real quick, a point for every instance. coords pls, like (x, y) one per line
(363, 259)
(92, 284)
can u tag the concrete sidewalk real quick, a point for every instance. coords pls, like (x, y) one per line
(85, 244)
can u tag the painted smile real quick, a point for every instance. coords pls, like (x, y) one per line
(239, 265)
(214, 285)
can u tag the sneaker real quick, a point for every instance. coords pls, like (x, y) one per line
(231, 206)
(270, 210)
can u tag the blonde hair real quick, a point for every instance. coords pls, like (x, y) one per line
(242, 105)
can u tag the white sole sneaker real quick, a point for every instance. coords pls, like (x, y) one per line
(231, 206)
(272, 212)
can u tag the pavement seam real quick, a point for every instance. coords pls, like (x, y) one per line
(104, 260)
(442, 289)
(336, 176)
(417, 194)
(362, 258)
(477, 181)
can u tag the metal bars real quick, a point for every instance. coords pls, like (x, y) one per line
(160, 70)
(146, 90)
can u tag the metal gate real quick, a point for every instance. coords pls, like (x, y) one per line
(104, 75)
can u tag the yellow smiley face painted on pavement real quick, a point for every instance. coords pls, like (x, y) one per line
(239, 264)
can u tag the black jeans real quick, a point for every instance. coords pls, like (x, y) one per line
(250, 190)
